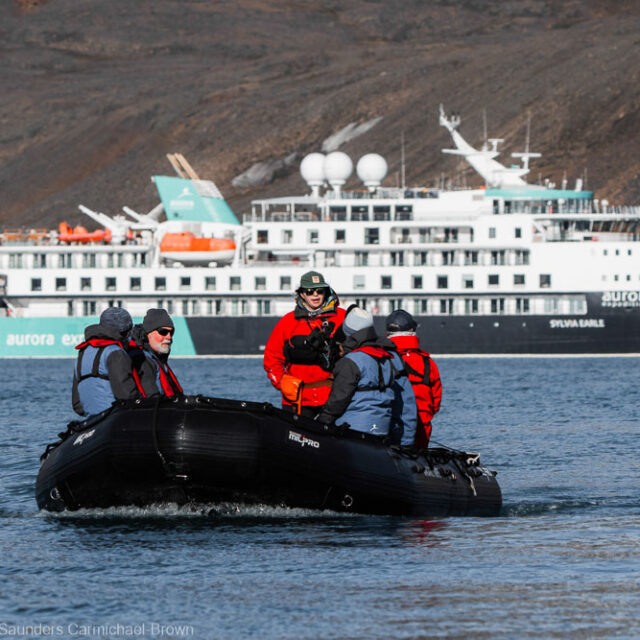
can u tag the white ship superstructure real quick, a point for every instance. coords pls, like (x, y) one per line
(531, 266)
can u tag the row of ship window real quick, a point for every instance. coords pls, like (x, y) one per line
(260, 282)
(77, 260)
(403, 235)
(424, 306)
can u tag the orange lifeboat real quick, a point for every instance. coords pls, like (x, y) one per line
(80, 234)
(187, 248)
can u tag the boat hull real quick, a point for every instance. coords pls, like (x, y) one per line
(208, 451)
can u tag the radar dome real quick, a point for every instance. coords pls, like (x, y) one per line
(337, 169)
(312, 171)
(372, 169)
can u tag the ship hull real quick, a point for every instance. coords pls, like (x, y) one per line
(608, 327)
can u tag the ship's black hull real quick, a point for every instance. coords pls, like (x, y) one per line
(205, 450)
(603, 329)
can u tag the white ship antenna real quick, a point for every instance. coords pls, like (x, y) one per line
(524, 156)
(402, 165)
(485, 138)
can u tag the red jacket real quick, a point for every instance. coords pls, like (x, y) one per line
(428, 394)
(297, 323)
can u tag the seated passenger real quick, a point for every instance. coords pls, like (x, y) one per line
(104, 370)
(371, 392)
(421, 369)
(154, 337)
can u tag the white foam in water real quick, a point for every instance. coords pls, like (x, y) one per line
(223, 509)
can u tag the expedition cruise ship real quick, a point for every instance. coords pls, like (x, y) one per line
(509, 268)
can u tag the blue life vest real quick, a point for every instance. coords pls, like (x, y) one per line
(94, 388)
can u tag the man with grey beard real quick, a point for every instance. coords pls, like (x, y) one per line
(152, 366)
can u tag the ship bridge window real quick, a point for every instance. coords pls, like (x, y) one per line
(518, 278)
(362, 258)
(359, 212)
(448, 257)
(358, 281)
(264, 307)
(545, 280)
(36, 284)
(497, 305)
(260, 283)
(161, 284)
(285, 283)
(372, 236)
(88, 308)
(39, 260)
(494, 280)
(110, 284)
(234, 284)
(470, 257)
(518, 232)
(442, 282)
(341, 236)
(446, 306)
(312, 236)
(338, 214)
(471, 306)
(382, 213)
(61, 284)
(85, 284)
(420, 258)
(404, 212)
(263, 236)
(210, 283)
(287, 236)
(15, 261)
(385, 282)
(88, 260)
(420, 305)
(185, 282)
(135, 283)
(492, 232)
(450, 235)
(416, 282)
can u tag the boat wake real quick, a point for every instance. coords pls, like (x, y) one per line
(220, 511)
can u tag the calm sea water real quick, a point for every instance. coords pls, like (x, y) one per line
(562, 560)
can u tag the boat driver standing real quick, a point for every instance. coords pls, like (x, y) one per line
(300, 352)
(154, 337)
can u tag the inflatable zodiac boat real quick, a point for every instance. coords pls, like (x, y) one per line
(207, 450)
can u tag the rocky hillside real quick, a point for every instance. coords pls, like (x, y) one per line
(94, 94)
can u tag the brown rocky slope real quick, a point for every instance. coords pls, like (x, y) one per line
(94, 94)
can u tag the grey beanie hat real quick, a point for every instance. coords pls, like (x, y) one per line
(116, 318)
(355, 320)
(155, 319)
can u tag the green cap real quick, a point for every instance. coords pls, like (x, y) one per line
(311, 280)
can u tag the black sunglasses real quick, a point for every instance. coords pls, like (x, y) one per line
(166, 332)
(310, 292)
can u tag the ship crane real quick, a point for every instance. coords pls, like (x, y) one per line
(495, 174)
